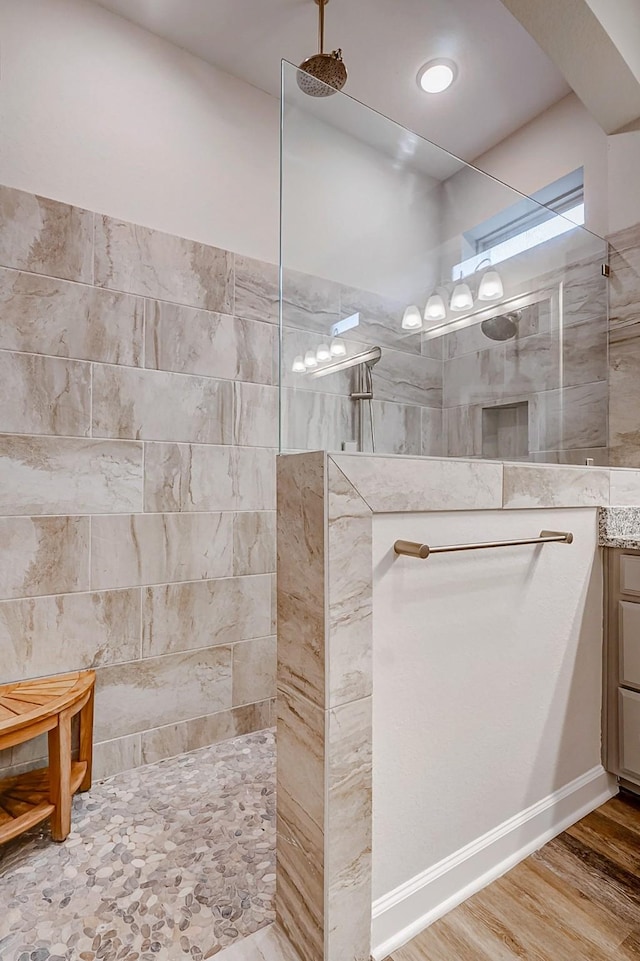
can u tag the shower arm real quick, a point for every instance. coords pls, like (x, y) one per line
(321, 4)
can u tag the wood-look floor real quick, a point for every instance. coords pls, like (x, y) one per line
(577, 899)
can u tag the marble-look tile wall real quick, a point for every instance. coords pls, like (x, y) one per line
(559, 370)
(624, 348)
(137, 477)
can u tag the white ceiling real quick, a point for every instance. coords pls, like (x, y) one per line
(505, 79)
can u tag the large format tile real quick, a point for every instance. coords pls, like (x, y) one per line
(432, 432)
(300, 907)
(313, 421)
(574, 417)
(154, 405)
(584, 353)
(194, 341)
(534, 364)
(624, 401)
(68, 632)
(185, 477)
(161, 690)
(256, 290)
(534, 486)
(397, 428)
(301, 575)
(474, 378)
(136, 549)
(43, 555)
(254, 542)
(119, 754)
(182, 617)
(267, 944)
(406, 379)
(54, 475)
(199, 732)
(408, 484)
(463, 429)
(349, 830)
(309, 302)
(255, 415)
(47, 395)
(43, 315)
(350, 591)
(45, 236)
(153, 264)
(381, 320)
(254, 670)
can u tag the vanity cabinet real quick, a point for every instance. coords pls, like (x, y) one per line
(621, 714)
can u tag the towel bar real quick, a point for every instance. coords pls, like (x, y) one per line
(413, 549)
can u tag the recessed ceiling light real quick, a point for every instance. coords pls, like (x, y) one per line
(437, 75)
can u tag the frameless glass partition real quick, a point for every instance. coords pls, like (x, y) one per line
(427, 308)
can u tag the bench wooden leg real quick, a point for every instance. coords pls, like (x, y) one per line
(86, 741)
(60, 776)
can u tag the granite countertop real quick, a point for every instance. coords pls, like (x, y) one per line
(619, 527)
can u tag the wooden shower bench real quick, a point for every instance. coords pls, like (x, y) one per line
(30, 708)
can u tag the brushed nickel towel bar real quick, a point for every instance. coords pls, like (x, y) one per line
(413, 549)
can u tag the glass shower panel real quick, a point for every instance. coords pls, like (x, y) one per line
(426, 308)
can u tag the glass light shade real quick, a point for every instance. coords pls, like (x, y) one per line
(412, 318)
(435, 309)
(298, 366)
(310, 359)
(323, 353)
(338, 348)
(490, 286)
(461, 298)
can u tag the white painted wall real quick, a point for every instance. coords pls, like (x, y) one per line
(487, 679)
(97, 112)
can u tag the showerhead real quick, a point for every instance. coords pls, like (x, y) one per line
(322, 74)
(504, 327)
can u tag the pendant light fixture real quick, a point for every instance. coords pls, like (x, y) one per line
(324, 73)
(298, 366)
(461, 298)
(323, 353)
(435, 309)
(491, 287)
(412, 318)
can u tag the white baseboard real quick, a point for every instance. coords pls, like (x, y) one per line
(403, 913)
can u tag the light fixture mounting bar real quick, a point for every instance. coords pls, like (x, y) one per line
(368, 357)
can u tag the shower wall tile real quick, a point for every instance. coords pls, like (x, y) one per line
(575, 417)
(474, 378)
(43, 555)
(349, 831)
(392, 484)
(256, 290)
(43, 315)
(317, 421)
(173, 739)
(48, 395)
(577, 456)
(584, 353)
(380, 320)
(154, 405)
(397, 428)
(254, 542)
(254, 670)
(128, 550)
(300, 905)
(201, 614)
(119, 754)
(142, 261)
(624, 402)
(185, 477)
(301, 560)
(53, 475)
(45, 236)
(463, 430)
(532, 364)
(432, 429)
(255, 415)
(349, 585)
(68, 632)
(296, 342)
(402, 378)
(148, 693)
(193, 341)
(311, 303)
(530, 486)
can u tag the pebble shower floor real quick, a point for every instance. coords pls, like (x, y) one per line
(175, 860)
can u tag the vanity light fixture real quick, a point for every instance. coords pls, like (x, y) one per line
(461, 298)
(435, 76)
(412, 318)
(435, 308)
(491, 287)
(298, 366)
(338, 347)
(310, 359)
(323, 353)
